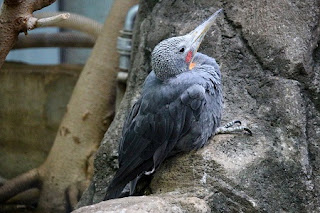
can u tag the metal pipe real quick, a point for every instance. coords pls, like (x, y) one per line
(131, 15)
(125, 39)
(124, 46)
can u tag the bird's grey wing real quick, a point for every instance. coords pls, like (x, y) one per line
(154, 125)
(192, 113)
(146, 129)
(133, 113)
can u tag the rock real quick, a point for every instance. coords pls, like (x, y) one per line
(148, 204)
(279, 32)
(270, 68)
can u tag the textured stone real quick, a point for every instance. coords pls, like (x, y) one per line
(270, 67)
(148, 204)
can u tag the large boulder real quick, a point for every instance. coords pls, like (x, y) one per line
(269, 61)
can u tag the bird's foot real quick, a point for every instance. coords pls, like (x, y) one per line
(229, 128)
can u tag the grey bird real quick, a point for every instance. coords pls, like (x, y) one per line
(179, 109)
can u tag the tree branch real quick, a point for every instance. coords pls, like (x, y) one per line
(39, 4)
(12, 2)
(28, 197)
(61, 39)
(19, 184)
(15, 17)
(75, 22)
(44, 22)
(33, 22)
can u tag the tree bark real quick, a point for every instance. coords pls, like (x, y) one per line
(16, 16)
(61, 39)
(89, 113)
(21, 183)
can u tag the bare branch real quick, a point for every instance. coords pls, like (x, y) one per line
(75, 22)
(19, 184)
(33, 22)
(45, 22)
(61, 39)
(27, 197)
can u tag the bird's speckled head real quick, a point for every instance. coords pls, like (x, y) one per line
(175, 55)
(169, 58)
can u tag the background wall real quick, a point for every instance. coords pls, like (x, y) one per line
(33, 101)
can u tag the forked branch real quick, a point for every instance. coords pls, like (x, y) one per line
(16, 16)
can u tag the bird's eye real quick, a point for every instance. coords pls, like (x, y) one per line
(181, 50)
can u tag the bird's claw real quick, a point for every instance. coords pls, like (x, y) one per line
(230, 124)
(228, 128)
(248, 131)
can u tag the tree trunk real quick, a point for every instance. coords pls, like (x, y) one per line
(270, 66)
(89, 113)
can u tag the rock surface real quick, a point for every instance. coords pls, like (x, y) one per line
(149, 204)
(270, 62)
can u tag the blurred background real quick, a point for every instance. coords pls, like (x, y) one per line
(35, 87)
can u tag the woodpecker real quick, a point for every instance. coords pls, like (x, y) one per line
(179, 109)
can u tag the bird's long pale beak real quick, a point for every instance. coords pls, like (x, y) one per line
(196, 36)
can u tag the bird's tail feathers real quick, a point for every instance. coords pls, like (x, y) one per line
(124, 175)
(114, 191)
